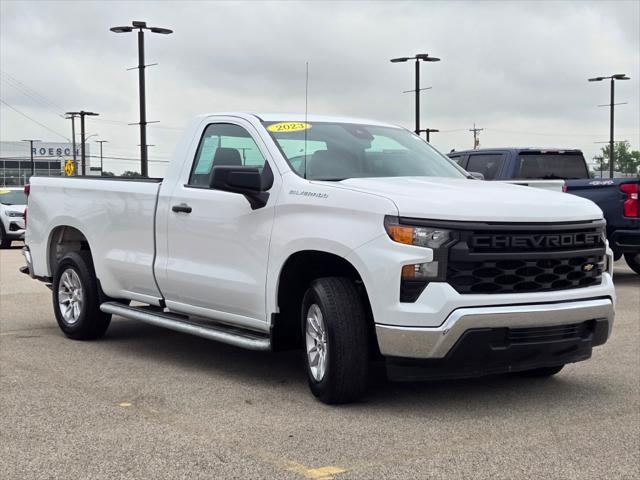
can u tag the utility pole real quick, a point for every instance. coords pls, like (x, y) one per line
(33, 171)
(476, 140)
(141, 27)
(101, 142)
(72, 116)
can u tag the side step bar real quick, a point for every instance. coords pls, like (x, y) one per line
(220, 333)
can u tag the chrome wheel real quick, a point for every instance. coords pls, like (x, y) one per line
(316, 341)
(70, 296)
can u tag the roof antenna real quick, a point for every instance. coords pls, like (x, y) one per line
(306, 109)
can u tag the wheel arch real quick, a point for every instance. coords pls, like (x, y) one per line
(295, 276)
(62, 240)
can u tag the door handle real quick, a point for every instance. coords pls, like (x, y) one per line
(182, 207)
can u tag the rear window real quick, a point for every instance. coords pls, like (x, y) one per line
(549, 166)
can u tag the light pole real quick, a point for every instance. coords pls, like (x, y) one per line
(429, 131)
(101, 142)
(141, 27)
(33, 172)
(418, 57)
(613, 78)
(72, 116)
(82, 114)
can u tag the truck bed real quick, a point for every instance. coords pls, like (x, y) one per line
(116, 215)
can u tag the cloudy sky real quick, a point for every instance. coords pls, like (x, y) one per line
(516, 69)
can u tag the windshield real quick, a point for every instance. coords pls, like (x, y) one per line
(337, 151)
(551, 165)
(12, 197)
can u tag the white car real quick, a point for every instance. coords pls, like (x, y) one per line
(13, 202)
(352, 239)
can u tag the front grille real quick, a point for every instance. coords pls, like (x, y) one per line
(550, 334)
(521, 276)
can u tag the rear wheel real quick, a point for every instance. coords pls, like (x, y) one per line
(76, 299)
(633, 260)
(336, 340)
(542, 372)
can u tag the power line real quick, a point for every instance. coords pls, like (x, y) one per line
(31, 93)
(33, 120)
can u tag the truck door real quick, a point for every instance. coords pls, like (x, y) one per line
(216, 245)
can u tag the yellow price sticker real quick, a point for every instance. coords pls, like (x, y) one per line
(69, 168)
(288, 127)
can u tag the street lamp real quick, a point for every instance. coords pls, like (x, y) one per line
(101, 142)
(418, 58)
(33, 172)
(141, 27)
(613, 78)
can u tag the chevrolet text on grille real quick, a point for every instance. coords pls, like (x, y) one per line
(540, 240)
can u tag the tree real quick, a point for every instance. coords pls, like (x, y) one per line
(627, 160)
(129, 173)
(108, 174)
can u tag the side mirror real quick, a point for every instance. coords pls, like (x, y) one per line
(246, 181)
(477, 175)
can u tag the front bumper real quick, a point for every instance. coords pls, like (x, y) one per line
(437, 342)
(15, 230)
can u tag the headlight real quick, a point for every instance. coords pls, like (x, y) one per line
(13, 213)
(418, 236)
(415, 277)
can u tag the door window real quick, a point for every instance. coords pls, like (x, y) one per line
(486, 164)
(224, 144)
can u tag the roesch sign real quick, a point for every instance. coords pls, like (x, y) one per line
(55, 151)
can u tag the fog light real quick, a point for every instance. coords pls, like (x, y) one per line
(420, 271)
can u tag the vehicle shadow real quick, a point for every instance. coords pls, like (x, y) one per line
(625, 277)
(281, 376)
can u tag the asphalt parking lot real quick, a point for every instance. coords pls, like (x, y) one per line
(150, 403)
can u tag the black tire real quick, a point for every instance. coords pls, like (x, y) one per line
(542, 372)
(633, 260)
(4, 241)
(90, 323)
(347, 353)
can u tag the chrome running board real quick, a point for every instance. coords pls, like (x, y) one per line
(221, 333)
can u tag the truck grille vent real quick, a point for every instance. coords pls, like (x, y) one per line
(550, 334)
(521, 276)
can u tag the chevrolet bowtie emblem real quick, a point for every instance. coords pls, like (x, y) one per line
(587, 267)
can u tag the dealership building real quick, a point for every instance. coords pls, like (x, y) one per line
(49, 161)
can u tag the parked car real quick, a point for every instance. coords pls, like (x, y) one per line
(353, 239)
(617, 197)
(13, 202)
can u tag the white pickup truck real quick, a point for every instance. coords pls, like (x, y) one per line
(353, 239)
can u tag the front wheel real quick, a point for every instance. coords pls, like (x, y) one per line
(633, 260)
(75, 298)
(335, 340)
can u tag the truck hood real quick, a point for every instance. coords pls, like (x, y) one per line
(474, 200)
